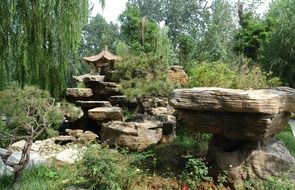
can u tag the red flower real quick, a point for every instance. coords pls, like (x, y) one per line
(184, 187)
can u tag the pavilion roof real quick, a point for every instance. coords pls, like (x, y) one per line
(104, 55)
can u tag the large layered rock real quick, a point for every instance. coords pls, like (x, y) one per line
(237, 114)
(133, 135)
(105, 114)
(243, 123)
(268, 101)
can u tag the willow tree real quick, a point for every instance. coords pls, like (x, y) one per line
(39, 41)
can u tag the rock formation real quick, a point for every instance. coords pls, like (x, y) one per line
(244, 123)
(102, 103)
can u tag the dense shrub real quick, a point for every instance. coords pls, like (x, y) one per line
(215, 74)
(218, 74)
(195, 172)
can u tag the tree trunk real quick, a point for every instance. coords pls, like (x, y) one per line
(25, 157)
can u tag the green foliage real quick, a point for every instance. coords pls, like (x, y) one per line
(188, 140)
(105, 169)
(252, 34)
(40, 178)
(277, 54)
(28, 107)
(218, 74)
(140, 34)
(39, 41)
(145, 50)
(278, 183)
(272, 183)
(186, 48)
(255, 78)
(195, 172)
(97, 34)
(287, 137)
(144, 76)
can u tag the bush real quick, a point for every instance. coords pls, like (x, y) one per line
(214, 74)
(106, 169)
(218, 74)
(195, 172)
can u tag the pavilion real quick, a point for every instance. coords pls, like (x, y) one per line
(102, 62)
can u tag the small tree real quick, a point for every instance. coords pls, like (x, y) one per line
(29, 112)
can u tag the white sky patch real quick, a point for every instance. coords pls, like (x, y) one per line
(111, 11)
(114, 8)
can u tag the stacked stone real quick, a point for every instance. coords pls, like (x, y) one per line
(101, 102)
(243, 124)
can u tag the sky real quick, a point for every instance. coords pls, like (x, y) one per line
(114, 8)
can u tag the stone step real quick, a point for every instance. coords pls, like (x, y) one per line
(105, 113)
(79, 92)
(89, 77)
(92, 104)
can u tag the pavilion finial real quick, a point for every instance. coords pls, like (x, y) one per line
(106, 48)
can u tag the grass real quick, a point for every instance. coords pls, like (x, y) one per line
(41, 178)
(288, 138)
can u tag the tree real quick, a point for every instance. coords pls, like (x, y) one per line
(138, 32)
(143, 73)
(39, 41)
(277, 53)
(31, 112)
(152, 9)
(252, 34)
(215, 44)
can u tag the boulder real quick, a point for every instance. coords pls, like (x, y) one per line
(69, 155)
(19, 145)
(88, 136)
(2, 167)
(268, 101)
(178, 75)
(75, 133)
(133, 135)
(89, 77)
(245, 160)
(4, 154)
(35, 159)
(105, 113)
(80, 135)
(64, 139)
(162, 111)
(103, 90)
(74, 94)
(92, 104)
